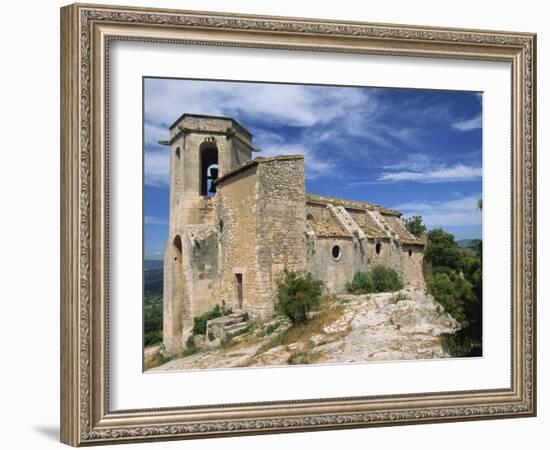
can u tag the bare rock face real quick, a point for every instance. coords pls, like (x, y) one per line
(391, 326)
(403, 325)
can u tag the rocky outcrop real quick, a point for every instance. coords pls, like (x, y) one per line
(393, 326)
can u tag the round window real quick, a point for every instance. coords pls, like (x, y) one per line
(336, 252)
(378, 248)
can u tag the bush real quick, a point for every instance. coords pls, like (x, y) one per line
(298, 294)
(190, 347)
(152, 338)
(360, 284)
(199, 323)
(379, 279)
(454, 293)
(415, 226)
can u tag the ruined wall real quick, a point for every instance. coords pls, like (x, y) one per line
(412, 265)
(335, 271)
(236, 214)
(201, 270)
(281, 226)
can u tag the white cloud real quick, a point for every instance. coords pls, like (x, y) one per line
(155, 133)
(413, 161)
(456, 212)
(157, 168)
(294, 105)
(314, 165)
(467, 125)
(457, 172)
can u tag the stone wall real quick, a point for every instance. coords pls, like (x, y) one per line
(335, 272)
(412, 265)
(237, 221)
(281, 224)
(201, 265)
(209, 123)
(389, 255)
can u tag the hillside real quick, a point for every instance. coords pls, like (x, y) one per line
(405, 325)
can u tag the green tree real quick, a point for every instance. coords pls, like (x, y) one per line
(456, 284)
(415, 225)
(298, 294)
(454, 293)
(443, 252)
(378, 279)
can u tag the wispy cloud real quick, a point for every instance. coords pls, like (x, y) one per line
(290, 105)
(457, 212)
(469, 124)
(422, 168)
(413, 161)
(314, 165)
(157, 168)
(457, 172)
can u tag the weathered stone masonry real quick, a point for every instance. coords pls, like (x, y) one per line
(236, 223)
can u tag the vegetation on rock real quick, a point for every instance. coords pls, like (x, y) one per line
(199, 323)
(415, 226)
(456, 284)
(378, 279)
(298, 294)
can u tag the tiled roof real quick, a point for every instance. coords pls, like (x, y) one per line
(350, 204)
(327, 228)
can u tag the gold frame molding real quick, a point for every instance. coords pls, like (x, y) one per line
(86, 31)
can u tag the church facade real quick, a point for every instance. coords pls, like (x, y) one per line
(237, 222)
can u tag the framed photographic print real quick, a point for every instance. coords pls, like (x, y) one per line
(279, 224)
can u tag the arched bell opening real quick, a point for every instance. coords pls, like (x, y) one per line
(208, 168)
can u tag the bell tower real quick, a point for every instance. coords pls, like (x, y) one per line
(202, 149)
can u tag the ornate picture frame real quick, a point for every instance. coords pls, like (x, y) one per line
(87, 32)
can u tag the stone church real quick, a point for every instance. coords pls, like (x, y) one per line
(236, 222)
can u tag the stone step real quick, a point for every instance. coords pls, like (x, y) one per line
(234, 326)
(226, 320)
(235, 330)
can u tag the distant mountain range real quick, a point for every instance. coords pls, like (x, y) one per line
(153, 264)
(467, 243)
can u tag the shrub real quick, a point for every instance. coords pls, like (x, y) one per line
(199, 323)
(415, 226)
(298, 294)
(385, 279)
(379, 279)
(454, 293)
(190, 347)
(360, 284)
(152, 338)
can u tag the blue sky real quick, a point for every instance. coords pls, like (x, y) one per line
(419, 151)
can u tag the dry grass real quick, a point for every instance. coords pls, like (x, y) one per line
(301, 358)
(330, 310)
